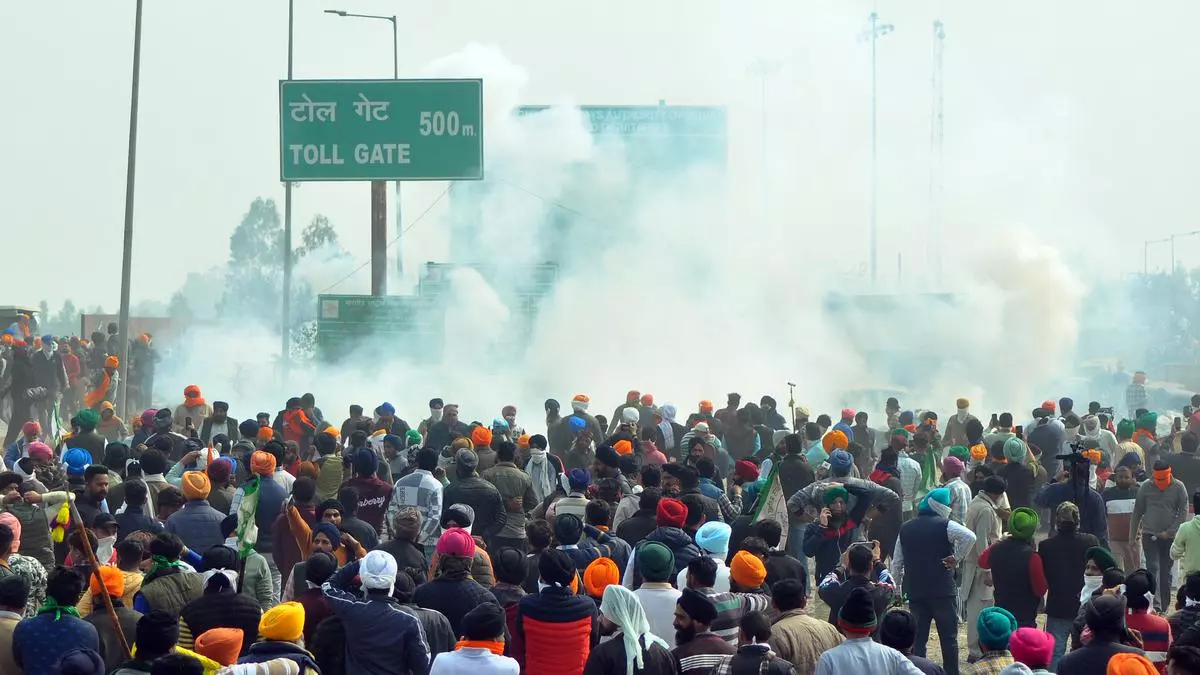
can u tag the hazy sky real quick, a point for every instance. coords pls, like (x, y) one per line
(1074, 119)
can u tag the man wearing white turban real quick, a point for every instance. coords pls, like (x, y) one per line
(633, 647)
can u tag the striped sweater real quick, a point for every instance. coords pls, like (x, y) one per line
(1118, 504)
(699, 655)
(1156, 635)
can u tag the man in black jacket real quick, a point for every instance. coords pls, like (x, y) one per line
(856, 571)
(49, 374)
(444, 432)
(1064, 557)
(794, 475)
(480, 495)
(779, 564)
(643, 521)
(219, 423)
(1105, 615)
(754, 656)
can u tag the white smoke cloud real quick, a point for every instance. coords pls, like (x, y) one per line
(689, 297)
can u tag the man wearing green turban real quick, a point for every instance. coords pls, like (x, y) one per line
(1018, 578)
(85, 435)
(1023, 523)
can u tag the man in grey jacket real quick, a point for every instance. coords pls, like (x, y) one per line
(1160, 508)
(808, 499)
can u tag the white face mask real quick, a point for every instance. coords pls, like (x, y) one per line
(962, 414)
(435, 414)
(1090, 586)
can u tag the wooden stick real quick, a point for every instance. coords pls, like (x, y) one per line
(87, 549)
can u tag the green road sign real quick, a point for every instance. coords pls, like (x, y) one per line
(380, 130)
(401, 324)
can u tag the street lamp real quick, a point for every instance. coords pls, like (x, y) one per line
(1146, 253)
(378, 195)
(875, 31)
(395, 34)
(1173, 237)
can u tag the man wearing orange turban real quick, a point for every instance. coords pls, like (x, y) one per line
(112, 582)
(481, 436)
(193, 406)
(599, 574)
(220, 644)
(198, 524)
(107, 388)
(747, 572)
(262, 463)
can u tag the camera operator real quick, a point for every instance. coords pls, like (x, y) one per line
(1073, 484)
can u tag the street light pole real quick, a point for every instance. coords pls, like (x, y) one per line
(873, 33)
(1146, 253)
(378, 189)
(1180, 235)
(286, 319)
(763, 69)
(127, 246)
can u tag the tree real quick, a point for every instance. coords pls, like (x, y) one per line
(179, 309)
(254, 275)
(258, 240)
(66, 322)
(317, 235)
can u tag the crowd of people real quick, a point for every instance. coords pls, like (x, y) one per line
(194, 541)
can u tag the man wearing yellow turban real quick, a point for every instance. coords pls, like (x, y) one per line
(282, 630)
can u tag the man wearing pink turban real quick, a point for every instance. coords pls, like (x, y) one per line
(23, 566)
(13, 524)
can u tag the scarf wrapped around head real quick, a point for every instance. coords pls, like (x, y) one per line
(541, 472)
(1163, 478)
(936, 502)
(624, 609)
(192, 397)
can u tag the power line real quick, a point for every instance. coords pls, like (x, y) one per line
(411, 225)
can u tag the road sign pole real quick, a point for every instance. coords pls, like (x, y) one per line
(399, 217)
(378, 238)
(285, 329)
